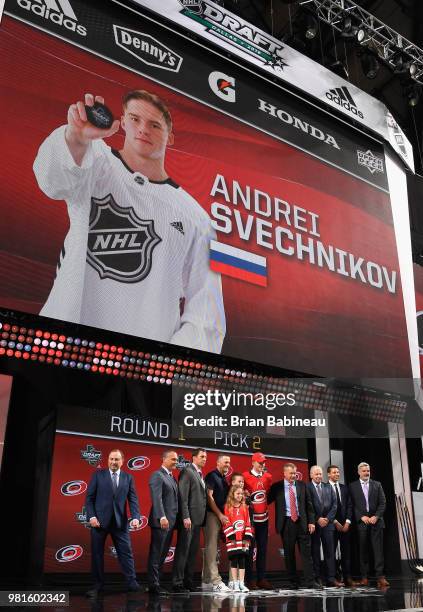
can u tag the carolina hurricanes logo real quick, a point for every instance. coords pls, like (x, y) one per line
(258, 497)
(138, 463)
(298, 476)
(229, 472)
(120, 244)
(238, 525)
(69, 553)
(73, 487)
(143, 523)
(170, 555)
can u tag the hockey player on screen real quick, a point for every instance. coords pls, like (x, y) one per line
(136, 257)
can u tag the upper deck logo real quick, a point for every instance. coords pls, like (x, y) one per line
(91, 455)
(120, 244)
(59, 12)
(147, 49)
(372, 162)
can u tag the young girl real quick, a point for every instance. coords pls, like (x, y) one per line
(238, 535)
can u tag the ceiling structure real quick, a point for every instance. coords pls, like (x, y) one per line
(286, 19)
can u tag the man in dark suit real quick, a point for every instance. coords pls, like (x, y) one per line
(342, 522)
(324, 503)
(294, 520)
(108, 492)
(162, 519)
(369, 503)
(192, 514)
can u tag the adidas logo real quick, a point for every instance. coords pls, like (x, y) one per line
(342, 97)
(178, 225)
(59, 12)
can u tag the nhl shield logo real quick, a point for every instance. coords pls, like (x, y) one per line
(120, 244)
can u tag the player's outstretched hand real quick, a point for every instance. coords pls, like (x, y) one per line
(80, 129)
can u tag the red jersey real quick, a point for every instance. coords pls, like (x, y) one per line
(238, 528)
(258, 487)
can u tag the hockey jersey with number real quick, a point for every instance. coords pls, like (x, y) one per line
(136, 256)
(258, 487)
(238, 529)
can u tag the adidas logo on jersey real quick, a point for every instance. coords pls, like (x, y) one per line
(178, 225)
(59, 12)
(342, 97)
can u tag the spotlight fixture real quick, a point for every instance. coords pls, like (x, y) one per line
(348, 30)
(369, 65)
(401, 63)
(413, 93)
(311, 27)
(360, 35)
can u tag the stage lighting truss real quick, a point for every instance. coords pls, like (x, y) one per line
(387, 44)
(55, 348)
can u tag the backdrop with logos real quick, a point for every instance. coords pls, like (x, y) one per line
(83, 441)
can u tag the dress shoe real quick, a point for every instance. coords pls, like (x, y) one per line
(178, 588)
(190, 587)
(157, 590)
(252, 585)
(313, 584)
(362, 582)
(265, 584)
(334, 583)
(293, 586)
(349, 582)
(382, 583)
(134, 587)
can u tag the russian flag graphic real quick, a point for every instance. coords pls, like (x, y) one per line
(237, 263)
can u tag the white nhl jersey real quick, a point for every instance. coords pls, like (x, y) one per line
(136, 257)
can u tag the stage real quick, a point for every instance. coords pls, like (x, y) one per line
(402, 594)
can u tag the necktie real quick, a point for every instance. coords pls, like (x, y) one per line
(366, 494)
(338, 495)
(292, 504)
(319, 491)
(114, 481)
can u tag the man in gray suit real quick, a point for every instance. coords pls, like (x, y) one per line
(369, 504)
(162, 519)
(192, 513)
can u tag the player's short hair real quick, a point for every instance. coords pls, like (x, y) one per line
(197, 451)
(236, 475)
(117, 450)
(221, 455)
(141, 94)
(332, 467)
(167, 452)
(289, 465)
(362, 464)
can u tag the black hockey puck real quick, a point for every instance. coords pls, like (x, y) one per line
(99, 115)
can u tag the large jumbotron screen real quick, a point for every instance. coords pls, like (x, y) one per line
(273, 239)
